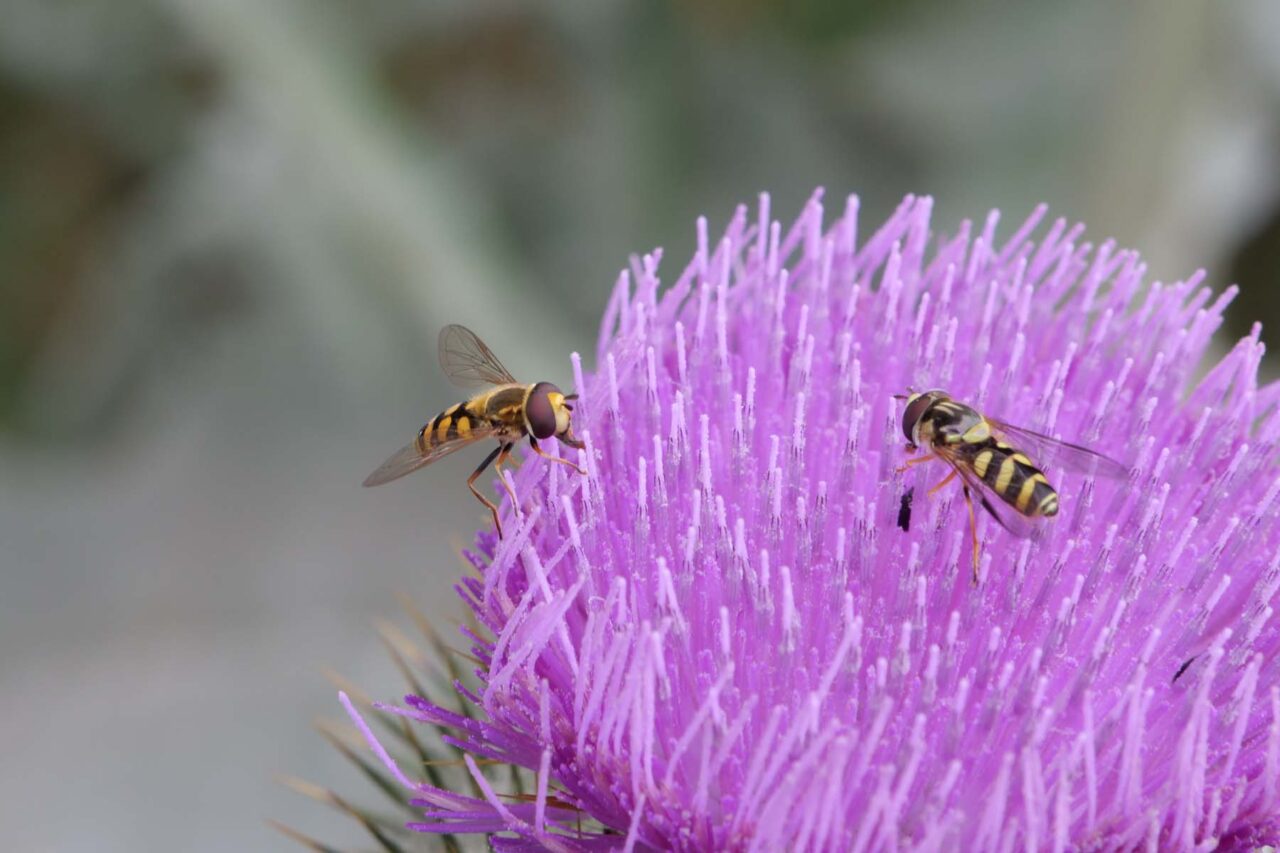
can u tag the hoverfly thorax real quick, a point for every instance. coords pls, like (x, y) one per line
(913, 415)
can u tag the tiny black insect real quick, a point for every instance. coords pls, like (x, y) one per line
(904, 509)
(1182, 669)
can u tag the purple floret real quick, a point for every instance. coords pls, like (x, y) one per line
(721, 638)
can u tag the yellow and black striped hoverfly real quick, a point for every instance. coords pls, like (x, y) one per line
(506, 410)
(991, 458)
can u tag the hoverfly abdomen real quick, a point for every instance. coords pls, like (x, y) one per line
(453, 423)
(1014, 478)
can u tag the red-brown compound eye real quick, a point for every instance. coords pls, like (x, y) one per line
(539, 411)
(914, 411)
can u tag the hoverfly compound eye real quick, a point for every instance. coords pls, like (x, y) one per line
(917, 404)
(540, 412)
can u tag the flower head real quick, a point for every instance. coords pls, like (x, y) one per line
(721, 638)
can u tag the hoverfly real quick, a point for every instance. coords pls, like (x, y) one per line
(974, 446)
(507, 411)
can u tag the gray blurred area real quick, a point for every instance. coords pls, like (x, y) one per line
(230, 230)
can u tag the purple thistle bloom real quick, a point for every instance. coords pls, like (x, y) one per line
(720, 638)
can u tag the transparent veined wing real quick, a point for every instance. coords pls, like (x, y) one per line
(1052, 454)
(410, 458)
(1006, 516)
(467, 361)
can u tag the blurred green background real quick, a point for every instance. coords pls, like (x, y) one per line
(230, 229)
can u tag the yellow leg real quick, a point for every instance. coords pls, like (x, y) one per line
(471, 484)
(538, 450)
(973, 530)
(911, 463)
(938, 487)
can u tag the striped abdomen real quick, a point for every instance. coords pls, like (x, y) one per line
(1013, 477)
(498, 413)
(453, 423)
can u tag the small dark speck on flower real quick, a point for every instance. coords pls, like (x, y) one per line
(904, 509)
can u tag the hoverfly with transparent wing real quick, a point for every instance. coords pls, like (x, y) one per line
(507, 411)
(993, 461)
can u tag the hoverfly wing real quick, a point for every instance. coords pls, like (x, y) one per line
(1054, 454)
(1019, 526)
(410, 458)
(1005, 515)
(406, 460)
(467, 361)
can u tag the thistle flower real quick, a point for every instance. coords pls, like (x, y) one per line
(720, 638)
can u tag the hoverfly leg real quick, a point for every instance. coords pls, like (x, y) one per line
(471, 484)
(538, 450)
(945, 481)
(503, 456)
(973, 530)
(911, 463)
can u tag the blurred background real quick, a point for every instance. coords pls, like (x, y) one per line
(229, 232)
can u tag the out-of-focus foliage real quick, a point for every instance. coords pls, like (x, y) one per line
(167, 163)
